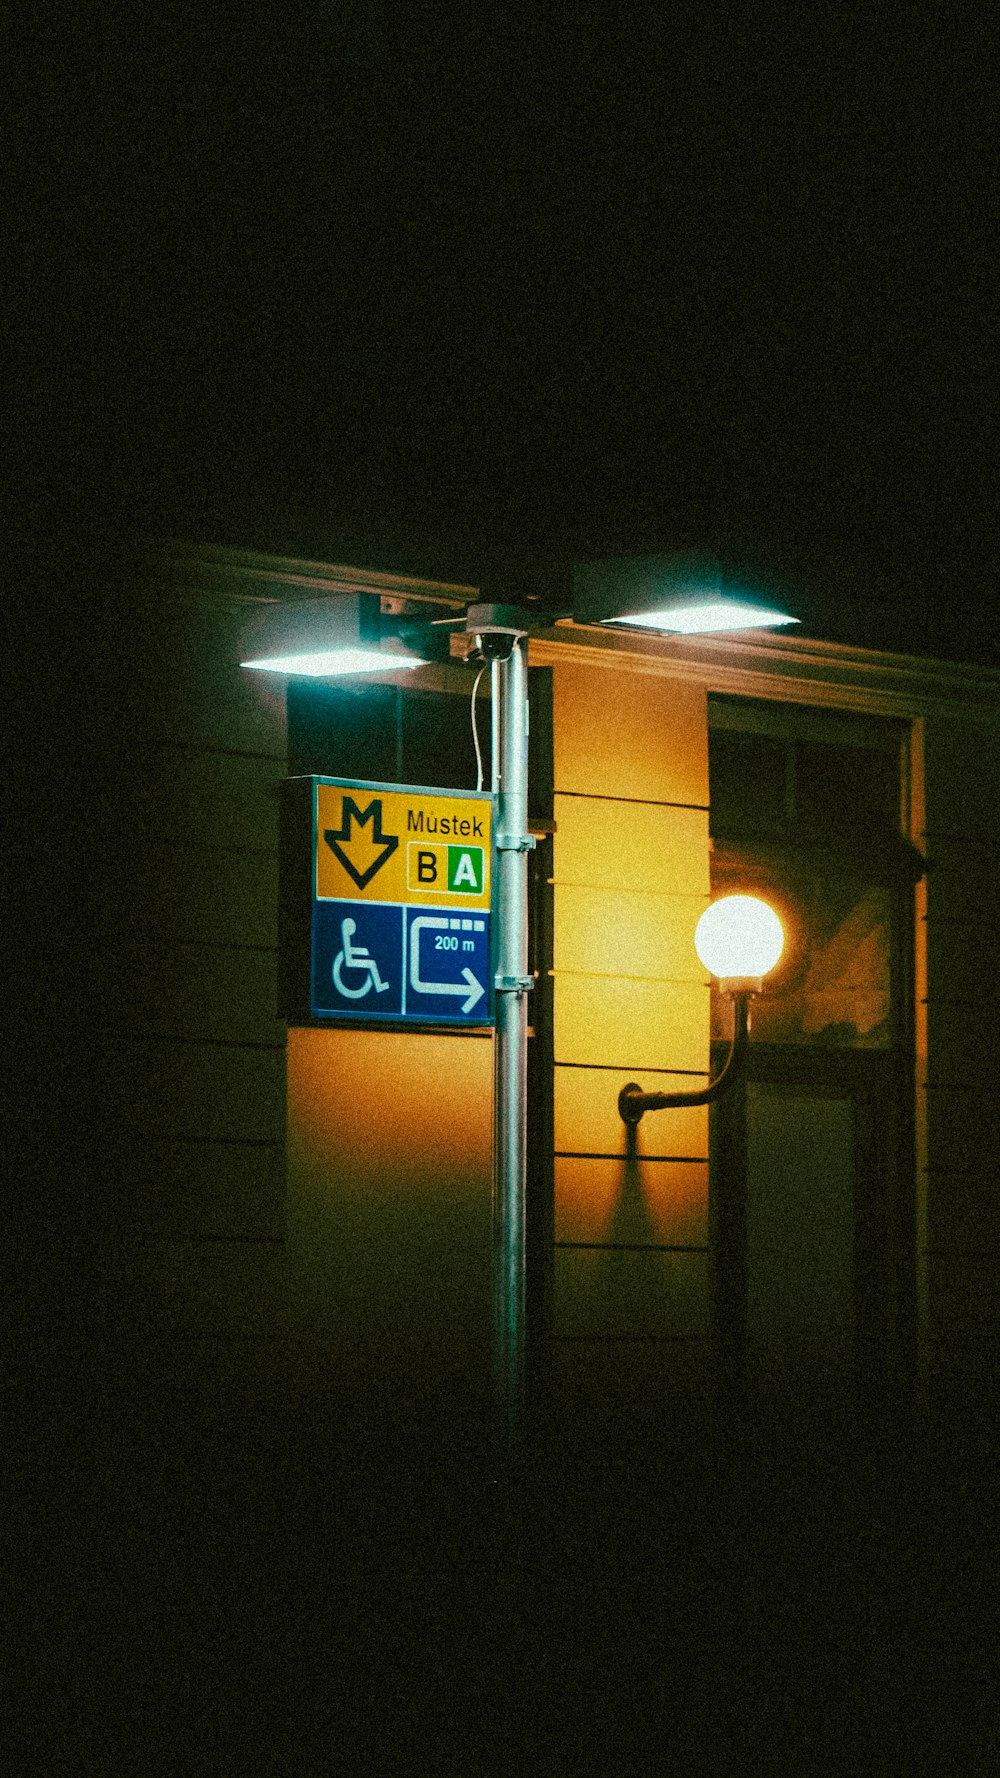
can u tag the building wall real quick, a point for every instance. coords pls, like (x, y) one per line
(630, 1002)
(304, 1214)
(386, 1283)
(201, 1127)
(958, 1052)
(289, 1213)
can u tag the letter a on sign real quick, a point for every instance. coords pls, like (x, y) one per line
(465, 870)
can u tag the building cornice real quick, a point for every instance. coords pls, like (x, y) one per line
(256, 578)
(777, 666)
(786, 668)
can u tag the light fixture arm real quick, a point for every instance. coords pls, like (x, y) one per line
(633, 1102)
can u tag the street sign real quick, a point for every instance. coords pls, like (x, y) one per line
(399, 903)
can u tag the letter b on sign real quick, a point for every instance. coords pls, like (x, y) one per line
(427, 867)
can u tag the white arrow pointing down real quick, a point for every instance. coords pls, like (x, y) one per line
(474, 990)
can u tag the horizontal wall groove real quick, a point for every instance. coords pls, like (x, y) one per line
(647, 1160)
(208, 848)
(952, 919)
(649, 802)
(126, 1043)
(829, 673)
(629, 889)
(959, 839)
(169, 945)
(961, 1250)
(152, 1239)
(616, 975)
(628, 1247)
(623, 1068)
(629, 1340)
(185, 1340)
(199, 747)
(224, 1043)
(163, 1144)
(229, 565)
(951, 1172)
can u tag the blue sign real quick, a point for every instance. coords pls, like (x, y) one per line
(381, 960)
(448, 965)
(357, 963)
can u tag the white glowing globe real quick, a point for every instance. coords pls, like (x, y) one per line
(739, 936)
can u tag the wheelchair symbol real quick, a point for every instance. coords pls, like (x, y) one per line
(355, 957)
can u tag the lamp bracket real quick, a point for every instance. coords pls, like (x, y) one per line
(633, 1102)
(497, 620)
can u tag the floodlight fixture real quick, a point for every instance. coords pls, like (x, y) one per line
(686, 594)
(329, 637)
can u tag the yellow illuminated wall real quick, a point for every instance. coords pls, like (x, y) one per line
(388, 1206)
(389, 1134)
(630, 1002)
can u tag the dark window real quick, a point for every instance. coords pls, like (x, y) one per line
(748, 776)
(805, 811)
(386, 734)
(783, 772)
(844, 790)
(812, 1158)
(837, 983)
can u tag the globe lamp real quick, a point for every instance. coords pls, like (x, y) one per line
(739, 939)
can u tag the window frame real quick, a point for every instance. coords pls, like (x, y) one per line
(879, 1083)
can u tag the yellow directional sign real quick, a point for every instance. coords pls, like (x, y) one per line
(375, 844)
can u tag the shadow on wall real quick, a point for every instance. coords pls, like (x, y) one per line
(388, 1218)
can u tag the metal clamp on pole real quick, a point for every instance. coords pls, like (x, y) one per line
(515, 842)
(513, 984)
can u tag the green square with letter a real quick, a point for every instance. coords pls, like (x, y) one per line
(465, 870)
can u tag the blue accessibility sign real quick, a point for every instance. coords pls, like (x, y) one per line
(378, 960)
(357, 964)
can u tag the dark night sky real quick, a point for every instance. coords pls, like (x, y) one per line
(478, 291)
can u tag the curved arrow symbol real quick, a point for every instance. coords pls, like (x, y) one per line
(474, 989)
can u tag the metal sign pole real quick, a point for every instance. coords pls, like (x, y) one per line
(511, 1055)
(501, 634)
